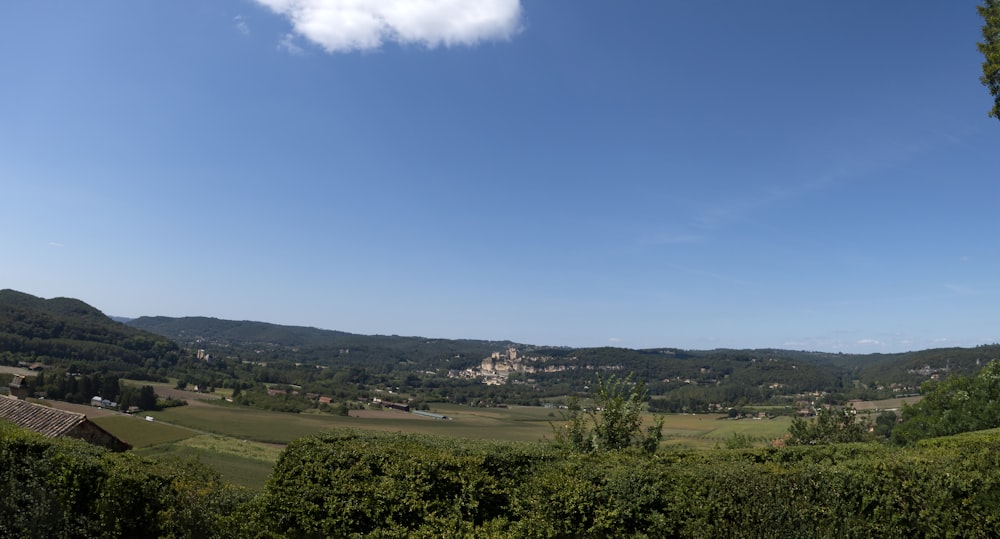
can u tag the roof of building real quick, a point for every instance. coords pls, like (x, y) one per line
(18, 381)
(42, 419)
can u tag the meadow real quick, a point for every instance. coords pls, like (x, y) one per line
(243, 444)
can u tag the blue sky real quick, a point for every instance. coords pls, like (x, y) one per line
(805, 175)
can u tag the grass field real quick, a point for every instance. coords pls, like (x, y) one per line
(706, 431)
(140, 433)
(243, 444)
(516, 423)
(243, 463)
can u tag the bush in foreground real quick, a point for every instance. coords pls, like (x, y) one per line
(359, 484)
(352, 484)
(69, 488)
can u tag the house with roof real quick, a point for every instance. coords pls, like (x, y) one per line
(56, 423)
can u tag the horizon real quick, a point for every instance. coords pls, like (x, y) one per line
(568, 172)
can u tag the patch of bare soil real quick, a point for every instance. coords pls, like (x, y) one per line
(18, 370)
(192, 397)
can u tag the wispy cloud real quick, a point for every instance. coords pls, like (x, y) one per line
(241, 25)
(349, 25)
(962, 290)
(56, 244)
(287, 44)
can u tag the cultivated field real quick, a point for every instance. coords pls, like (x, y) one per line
(17, 370)
(240, 462)
(887, 404)
(140, 433)
(244, 443)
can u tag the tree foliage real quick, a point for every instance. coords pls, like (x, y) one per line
(830, 426)
(615, 421)
(69, 488)
(365, 484)
(353, 484)
(954, 405)
(990, 48)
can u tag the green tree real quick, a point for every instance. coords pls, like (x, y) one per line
(884, 423)
(615, 423)
(147, 398)
(990, 48)
(829, 427)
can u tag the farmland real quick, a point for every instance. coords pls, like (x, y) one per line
(243, 444)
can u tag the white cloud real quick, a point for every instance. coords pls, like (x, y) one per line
(346, 25)
(56, 244)
(870, 342)
(241, 25)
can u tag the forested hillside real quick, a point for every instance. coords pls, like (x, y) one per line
(272, 342)
(251, 356)
(68, 331)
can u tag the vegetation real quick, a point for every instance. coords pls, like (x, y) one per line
(615, 421)
(954, 405)
(830, 426)
(990, 48)
(68, 488)
(70, 332)
(286, 369)
(606, 477)
(356, 484)
(360, 484)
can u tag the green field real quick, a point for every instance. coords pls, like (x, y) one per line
(248, 423)
(240, 462)
(242, 444)
(517, 423)
(140, 433)
(706, 431)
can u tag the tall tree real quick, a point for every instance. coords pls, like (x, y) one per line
(990, 47)
(614, 424)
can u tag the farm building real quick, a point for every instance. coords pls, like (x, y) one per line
(57, 423)
(18, 387)
(392, 405)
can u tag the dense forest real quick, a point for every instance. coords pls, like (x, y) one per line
(69, 332)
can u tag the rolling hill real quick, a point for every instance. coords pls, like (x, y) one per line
(66, 330)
